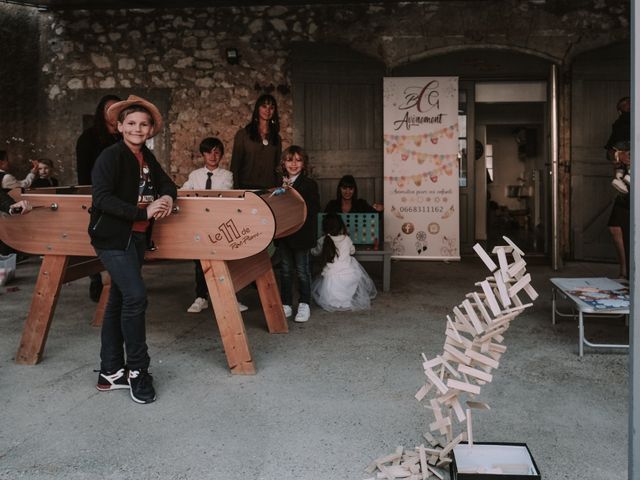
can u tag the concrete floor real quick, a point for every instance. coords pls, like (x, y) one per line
(328, 397)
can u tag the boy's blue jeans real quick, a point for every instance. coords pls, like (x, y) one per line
(294, 259)
(124, 317)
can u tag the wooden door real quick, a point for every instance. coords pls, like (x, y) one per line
(600, 79)
(337, 108)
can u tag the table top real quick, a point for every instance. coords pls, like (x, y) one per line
(595, 294)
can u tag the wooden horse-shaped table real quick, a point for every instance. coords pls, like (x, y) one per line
(229, 231)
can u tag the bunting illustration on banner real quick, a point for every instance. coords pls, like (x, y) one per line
(421, 163)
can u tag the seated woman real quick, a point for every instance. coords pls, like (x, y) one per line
(10, 206)
(347, 200)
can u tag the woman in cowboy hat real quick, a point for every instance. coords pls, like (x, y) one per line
(130, 191)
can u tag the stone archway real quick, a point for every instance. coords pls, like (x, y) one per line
(496, 64)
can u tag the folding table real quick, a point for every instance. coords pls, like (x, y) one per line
(598, 296)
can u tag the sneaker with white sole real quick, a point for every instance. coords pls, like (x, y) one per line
(198, 305)
(108, 381)
(242, 307)
(141, 383)
(288, 311)
(304, 312)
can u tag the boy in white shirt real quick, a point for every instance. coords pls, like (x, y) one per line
(209, 177)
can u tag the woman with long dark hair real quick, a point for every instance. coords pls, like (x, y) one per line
(94, 139)
(257, 147)
(347, 200)
(89, 146)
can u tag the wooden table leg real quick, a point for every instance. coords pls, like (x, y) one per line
(225, 306)
(98, 315)
(43, 305)
(258, 268)
(271, 302)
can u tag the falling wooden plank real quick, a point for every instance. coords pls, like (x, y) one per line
(502, 261)
(478, 357)
(379, 461)
(517, 267)
(471, 315)
(448, 366)
(434, 362)
(516, 300)
(490, 298)
(433, 378)
(531, 292)
(440, 425)
(457, 409)
(502, 291)
(463, 320)
(464, 342)
(431, 439)
(478, 405)
(469, 428)
(457, 354)
(516, 250)
(480, 305)
(422, 392)
(399, 452)
(392, 472)
(474, 372)
(497, 348)
(452, 444)
(506, 248)
(484, 256)
(435, 472)
(463, 386)
(452, 330)
(423, 461)
(520, 284)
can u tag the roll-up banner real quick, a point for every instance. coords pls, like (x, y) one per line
(421, 201)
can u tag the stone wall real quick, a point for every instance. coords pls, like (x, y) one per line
(177, 56)
(19, 84)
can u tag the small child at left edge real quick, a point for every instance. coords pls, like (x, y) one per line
(45, 171)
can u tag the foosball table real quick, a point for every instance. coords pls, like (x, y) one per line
(228, 231)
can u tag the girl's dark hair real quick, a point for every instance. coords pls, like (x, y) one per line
(347, 181)
(274, 124)
(99, 123)
(332, 224)
(47, 161)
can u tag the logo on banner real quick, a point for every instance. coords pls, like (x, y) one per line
(423, 100)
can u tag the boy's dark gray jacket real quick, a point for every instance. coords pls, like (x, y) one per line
(115, 178)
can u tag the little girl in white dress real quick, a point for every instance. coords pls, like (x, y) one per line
(343, 283)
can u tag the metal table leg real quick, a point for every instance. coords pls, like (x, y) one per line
(584, 341)
(581, 334)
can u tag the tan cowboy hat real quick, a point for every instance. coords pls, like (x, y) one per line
(114, 111)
